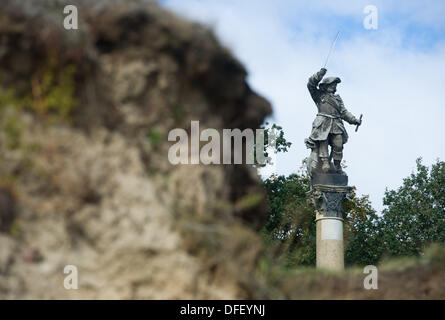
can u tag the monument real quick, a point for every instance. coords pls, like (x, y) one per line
(329, 183)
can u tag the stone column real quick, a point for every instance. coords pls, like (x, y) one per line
(328, 201)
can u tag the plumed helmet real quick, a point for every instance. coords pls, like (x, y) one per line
(330, 80)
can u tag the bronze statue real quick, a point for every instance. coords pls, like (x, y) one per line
(327, 128)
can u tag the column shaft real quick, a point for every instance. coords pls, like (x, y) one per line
(330, 254)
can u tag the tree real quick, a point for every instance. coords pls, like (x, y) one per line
(414, 216)
(290, 227)
(273, 141)
(362, 231)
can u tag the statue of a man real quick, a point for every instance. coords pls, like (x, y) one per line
(327, 128)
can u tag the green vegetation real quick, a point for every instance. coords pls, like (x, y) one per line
(50, 94)
(48, 97)
(275, 136)
(53, 91)
(290, 227)
(154, 137)
(10, 127)
(415, 213)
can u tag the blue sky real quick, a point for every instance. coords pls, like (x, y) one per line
(394, 75)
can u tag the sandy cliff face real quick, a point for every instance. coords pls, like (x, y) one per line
(94, 188)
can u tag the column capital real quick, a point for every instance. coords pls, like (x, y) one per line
(329, 200)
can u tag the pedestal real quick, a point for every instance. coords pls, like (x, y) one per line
(328, 200)
(330, 249)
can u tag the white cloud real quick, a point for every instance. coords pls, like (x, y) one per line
(399, 90)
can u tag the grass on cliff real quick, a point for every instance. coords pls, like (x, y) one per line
(49, 98)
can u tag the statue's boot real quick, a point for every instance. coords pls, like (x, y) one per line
(337, 165)
(325, 166)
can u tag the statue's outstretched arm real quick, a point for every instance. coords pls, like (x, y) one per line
(346, 115)
(313, 83)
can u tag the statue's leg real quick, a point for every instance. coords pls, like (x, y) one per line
(337, 151)
(324, 155)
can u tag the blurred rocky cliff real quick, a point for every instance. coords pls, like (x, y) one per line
(85, 178)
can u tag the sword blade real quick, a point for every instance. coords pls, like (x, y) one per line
(331, 49)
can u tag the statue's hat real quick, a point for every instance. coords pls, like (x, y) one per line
(330, 80)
